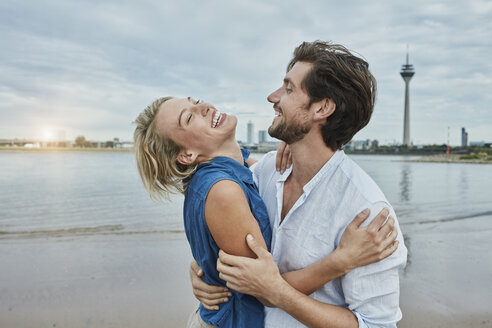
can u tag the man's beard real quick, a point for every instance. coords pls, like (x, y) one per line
(289, 133)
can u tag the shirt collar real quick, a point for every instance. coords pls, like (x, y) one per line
(333, 162)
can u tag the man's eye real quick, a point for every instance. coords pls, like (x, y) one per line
(189, 119)
(198, 101)
(289, 90)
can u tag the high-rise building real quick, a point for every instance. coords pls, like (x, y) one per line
(406, 73)
(251, 131)
(464, 138)
(262, 136)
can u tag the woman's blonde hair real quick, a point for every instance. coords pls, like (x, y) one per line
(157, 156)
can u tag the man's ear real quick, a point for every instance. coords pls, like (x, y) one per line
(324, 108)
(186, 157)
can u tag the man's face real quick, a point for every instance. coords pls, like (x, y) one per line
(195, 126)
(292, 120)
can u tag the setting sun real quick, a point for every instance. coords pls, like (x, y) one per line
(47, 135)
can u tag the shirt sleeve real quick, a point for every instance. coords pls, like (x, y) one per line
(257, 168)
(372, 292)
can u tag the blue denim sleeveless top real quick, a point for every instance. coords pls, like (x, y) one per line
(242, 310)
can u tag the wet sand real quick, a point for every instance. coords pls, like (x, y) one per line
(129, 281)
(142, 280)
(448, 280)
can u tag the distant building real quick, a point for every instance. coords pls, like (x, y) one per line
(362, 144)
(251, 130)
(477, 144)
(262, 136)
(464, 138)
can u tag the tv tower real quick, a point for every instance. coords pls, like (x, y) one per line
(406, 73)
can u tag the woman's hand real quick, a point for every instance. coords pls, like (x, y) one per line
(210, 296)
(361, 246)
(284, 157)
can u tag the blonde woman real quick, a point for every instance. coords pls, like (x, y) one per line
(183, 145)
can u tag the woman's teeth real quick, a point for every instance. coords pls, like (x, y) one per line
(216, 118)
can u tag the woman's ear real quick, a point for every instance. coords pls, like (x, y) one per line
(186, 157)
(324, 108)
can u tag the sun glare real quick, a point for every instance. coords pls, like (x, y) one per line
(47, 135)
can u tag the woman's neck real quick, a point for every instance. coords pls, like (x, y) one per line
(229, 149)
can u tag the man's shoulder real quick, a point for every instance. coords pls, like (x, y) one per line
(266, 165)
(350, 174)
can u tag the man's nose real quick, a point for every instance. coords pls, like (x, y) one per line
(274, 97)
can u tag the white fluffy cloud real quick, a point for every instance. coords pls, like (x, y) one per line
(90, 67)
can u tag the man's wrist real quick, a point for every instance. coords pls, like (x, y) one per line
(342, 261)
(278, 295)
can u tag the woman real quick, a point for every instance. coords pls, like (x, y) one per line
(187, 146)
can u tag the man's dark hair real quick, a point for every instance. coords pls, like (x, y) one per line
(343, 77)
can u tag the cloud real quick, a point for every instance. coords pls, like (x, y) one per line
(90, 67)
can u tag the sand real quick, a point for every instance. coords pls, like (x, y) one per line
(142, 280)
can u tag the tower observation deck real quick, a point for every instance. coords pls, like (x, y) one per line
(406, 73)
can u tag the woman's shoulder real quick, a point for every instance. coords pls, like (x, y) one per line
(208, 174)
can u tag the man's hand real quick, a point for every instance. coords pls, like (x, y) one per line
(259, 277)
(361, 246)
(210, 296)
(284, 157)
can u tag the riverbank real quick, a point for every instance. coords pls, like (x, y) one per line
(66, 149)
(442, 158)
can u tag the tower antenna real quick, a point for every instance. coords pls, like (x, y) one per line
(406, 73)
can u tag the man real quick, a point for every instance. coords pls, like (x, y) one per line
(327, 96)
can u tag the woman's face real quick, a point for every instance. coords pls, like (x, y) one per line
(199, 128)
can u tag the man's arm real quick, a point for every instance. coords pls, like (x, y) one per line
(371, 292)
(269, 284)
(358, 246)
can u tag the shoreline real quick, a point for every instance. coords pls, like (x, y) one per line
(65, 149)
(447, 159)
(431, 158)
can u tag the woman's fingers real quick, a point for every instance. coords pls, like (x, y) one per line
(387, 228)
(378, 221)
(389, 250)
(280, 154)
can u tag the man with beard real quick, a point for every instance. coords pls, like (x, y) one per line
(327, 96)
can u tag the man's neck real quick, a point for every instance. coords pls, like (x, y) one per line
(309, 155)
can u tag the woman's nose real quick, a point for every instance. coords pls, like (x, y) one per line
(203, 108)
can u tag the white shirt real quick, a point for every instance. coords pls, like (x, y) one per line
(312, 229)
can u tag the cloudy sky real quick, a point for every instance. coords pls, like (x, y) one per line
(89, 67)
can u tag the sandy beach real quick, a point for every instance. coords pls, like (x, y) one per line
(142, 280)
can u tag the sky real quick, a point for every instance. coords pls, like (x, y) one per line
(70, 68)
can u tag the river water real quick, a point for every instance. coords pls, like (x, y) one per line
(83, 245)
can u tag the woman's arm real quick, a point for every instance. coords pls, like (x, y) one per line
(229, 218)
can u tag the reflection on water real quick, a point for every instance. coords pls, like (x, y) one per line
(78, 193)
(464, 182)
(405, 182)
